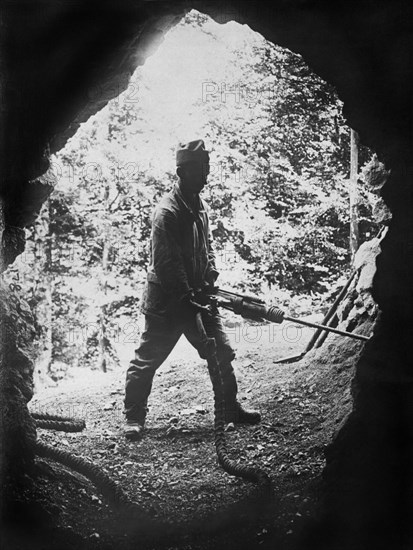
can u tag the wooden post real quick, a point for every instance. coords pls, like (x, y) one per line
(354, 228)
(103, 282)
(43, 289)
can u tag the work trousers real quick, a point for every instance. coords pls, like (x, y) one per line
(157, 341)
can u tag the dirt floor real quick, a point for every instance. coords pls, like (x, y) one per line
(173, 472)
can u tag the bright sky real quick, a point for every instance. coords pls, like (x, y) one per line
(187, 82)
(189, 67)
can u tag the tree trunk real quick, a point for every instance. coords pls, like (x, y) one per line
(354, 229)
(102, 362)
(44, 288)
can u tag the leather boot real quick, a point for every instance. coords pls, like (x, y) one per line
(133, 430)
(238, 415)
(135, 422)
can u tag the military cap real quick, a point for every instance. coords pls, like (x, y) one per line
(192, 151)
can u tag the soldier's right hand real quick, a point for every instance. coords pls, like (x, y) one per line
(191, 307)
(199, 307)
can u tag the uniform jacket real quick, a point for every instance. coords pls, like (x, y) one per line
(181, 254)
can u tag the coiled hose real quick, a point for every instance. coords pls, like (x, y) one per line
(105, 484)
(59, 423)
(248, 471)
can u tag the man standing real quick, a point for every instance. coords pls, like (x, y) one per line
(181, 261)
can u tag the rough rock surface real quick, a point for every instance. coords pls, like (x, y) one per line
(359, 303)
(17, 428)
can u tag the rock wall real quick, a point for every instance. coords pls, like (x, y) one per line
(17, 428)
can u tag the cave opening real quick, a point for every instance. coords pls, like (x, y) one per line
(391, 137)
(279, 190)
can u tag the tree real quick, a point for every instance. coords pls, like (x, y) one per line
(42, 292)
(354, 228)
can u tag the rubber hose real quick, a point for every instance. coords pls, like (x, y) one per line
(60, 423)
(47, 416)
(249, 472)
(107, 486)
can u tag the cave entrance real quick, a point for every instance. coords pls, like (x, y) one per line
(278, 191)
(107, 203)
